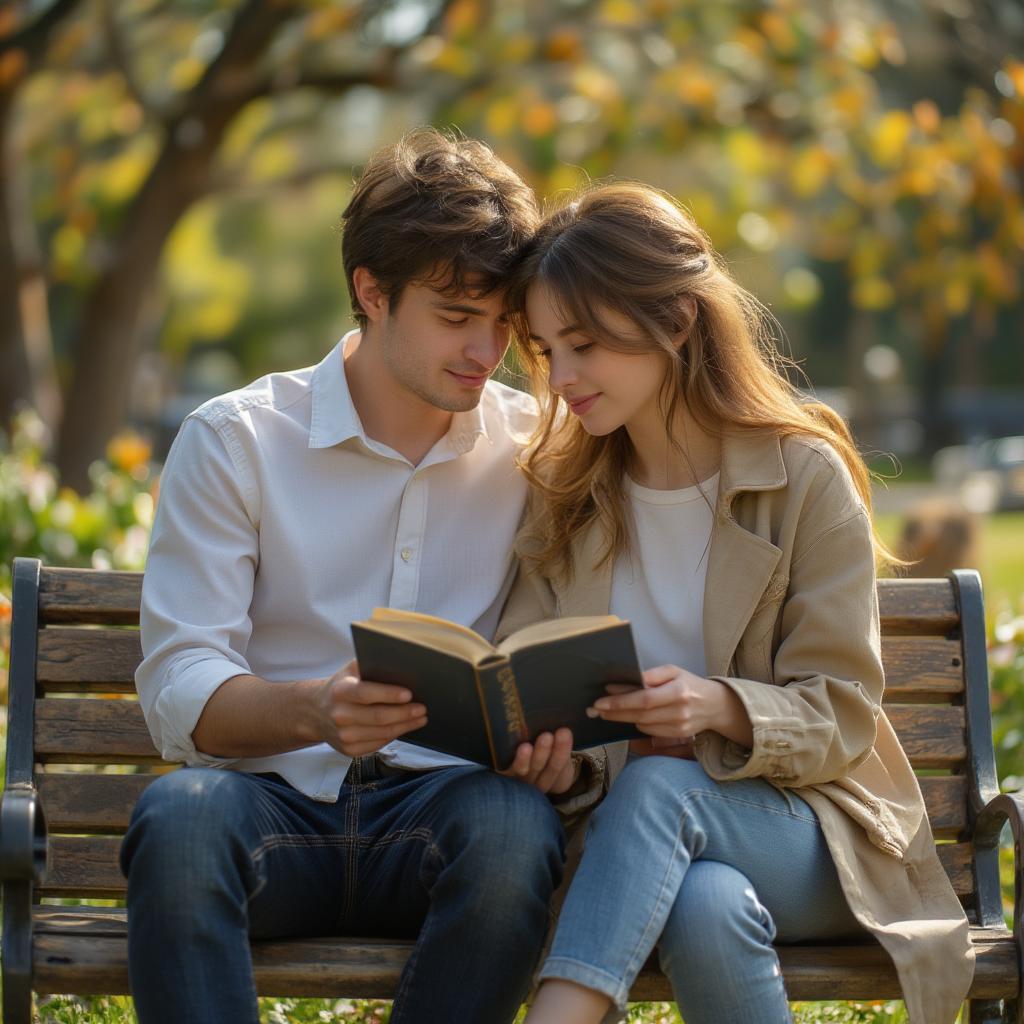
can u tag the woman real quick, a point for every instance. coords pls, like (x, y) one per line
(682, 483)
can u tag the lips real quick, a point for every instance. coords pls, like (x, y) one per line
(582, 404)
(471, 380)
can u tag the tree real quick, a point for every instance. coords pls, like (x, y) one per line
(793, 129)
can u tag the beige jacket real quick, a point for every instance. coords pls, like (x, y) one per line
(790, 600)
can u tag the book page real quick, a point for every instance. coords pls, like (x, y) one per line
(430, 631)
(556, 629)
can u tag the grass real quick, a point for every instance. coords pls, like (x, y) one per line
(118, 1010)
(1000, 559)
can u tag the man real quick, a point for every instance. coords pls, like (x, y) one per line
(288, 509)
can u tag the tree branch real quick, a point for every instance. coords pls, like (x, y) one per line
(32, 38)
(122, 61)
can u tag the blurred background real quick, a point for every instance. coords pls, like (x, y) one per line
(172, 174)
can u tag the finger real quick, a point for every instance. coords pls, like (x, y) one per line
(351, 669)
(542, 747)
(361, 692)
(660, 675)
(565, 779)
(638, 700)
(616, 688)
(560, 757)
(520, 766)
(377, 715)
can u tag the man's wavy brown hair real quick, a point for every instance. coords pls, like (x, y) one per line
(631, 249)
(436, 209)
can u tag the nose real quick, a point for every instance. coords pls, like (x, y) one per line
(487, 344)
(561, 373)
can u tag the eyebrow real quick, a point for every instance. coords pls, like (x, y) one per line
(570, 329)
(458, 307)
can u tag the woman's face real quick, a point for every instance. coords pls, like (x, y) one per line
(604, 388)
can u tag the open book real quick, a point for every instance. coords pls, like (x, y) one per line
(484, 700)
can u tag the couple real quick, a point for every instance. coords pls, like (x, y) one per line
(674, 478)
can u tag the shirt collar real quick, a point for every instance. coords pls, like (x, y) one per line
(334, 418)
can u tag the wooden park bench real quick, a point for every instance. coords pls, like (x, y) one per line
(79, 755)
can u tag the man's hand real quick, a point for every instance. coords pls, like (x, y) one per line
(546, 764)
(358, 717)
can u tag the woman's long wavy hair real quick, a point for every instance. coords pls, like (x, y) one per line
(631, 249)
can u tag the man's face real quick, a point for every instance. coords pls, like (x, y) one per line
(443, 348)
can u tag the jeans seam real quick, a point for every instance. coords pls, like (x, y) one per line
(728, 798)
(641, 952)
(353, 831)
(410, 964)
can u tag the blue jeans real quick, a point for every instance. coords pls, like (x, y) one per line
(710, 873)
(461, 859)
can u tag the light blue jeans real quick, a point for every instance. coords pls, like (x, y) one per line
(709, 872)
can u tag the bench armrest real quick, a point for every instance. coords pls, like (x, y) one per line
(22, 834)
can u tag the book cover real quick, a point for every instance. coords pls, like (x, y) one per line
(483, 701)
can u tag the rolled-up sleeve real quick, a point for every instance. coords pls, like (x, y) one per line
(817, 721)
(198, 586)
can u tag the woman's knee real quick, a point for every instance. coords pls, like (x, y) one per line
(717, 917)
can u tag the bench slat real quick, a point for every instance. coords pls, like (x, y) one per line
(90, 731)
(95, 731)
(945, 796)
(87, 866)
(89, 595)
(84, 866)
(907, 607)
(933, 737)
(95, 659)
(922, 670)
(103, 803)
(917, 607)
(89, 803)
(87, 952)
(918, 669)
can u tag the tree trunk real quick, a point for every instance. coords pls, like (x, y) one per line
(932, 395)
(15, 379)
(106, 345)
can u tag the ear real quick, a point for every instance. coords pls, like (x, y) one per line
(372, 300)
(689, 308)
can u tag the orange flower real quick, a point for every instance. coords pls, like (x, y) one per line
(128, 451)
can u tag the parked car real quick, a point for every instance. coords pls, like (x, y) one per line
(997, 484)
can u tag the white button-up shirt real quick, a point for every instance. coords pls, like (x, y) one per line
(280, 522)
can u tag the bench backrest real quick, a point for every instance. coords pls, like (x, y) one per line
(76, 729)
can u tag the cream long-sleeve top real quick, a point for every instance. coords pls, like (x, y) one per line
(280, 522)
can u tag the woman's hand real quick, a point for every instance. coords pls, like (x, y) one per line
(676, 705)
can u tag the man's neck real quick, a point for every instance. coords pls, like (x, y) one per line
(390, 413)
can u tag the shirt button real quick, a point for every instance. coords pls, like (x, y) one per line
(406, 554)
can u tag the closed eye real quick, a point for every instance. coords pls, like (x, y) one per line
(586, 347)
(455, 323)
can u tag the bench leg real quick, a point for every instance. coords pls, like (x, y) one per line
(17, 952)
